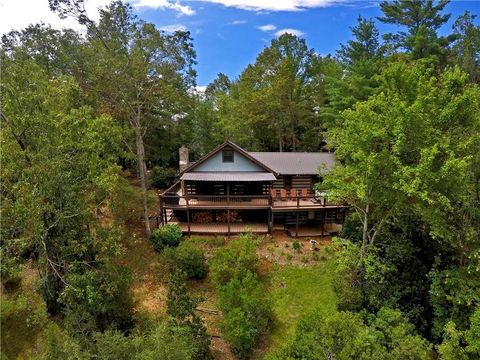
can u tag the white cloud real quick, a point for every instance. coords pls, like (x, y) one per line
(172, 28)
(238, 22)
(18, 14)
(276, 5)
(269, 27)
(295, 32)
(165, 4)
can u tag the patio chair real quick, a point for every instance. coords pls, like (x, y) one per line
(283, 194)
(273, 193)
(293, 194)
(305, 195)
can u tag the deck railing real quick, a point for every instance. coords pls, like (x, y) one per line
(175, 201)
(202, 201)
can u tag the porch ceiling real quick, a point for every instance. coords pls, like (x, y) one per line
(228, 176)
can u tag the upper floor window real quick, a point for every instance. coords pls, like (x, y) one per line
(227, 155)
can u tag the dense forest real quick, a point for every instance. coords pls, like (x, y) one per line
(91, 124)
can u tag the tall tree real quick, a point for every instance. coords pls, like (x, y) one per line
(467, 47)
(360, 63)
(136, 71)
(275, 96)
(422, 19)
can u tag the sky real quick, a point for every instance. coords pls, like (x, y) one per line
(229, 34)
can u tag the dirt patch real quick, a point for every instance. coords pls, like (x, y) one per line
(283, 250)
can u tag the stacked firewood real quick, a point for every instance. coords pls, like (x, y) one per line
(202, 217)
(222, 216)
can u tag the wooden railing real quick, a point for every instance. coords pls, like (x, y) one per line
(175, 201)
(212, 201)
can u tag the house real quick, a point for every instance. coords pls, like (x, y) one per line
(231, 190)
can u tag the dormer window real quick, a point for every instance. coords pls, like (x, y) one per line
(227, 155)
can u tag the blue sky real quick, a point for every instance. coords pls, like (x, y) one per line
(228, 38)
(228, 34)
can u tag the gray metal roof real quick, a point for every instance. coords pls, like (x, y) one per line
(296, 163)
(228, 176)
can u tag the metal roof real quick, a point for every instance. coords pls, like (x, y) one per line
(296, 163)
(228, 176)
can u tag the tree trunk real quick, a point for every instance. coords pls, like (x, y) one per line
(142, 168)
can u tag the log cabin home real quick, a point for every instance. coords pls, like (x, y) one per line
(231, 190)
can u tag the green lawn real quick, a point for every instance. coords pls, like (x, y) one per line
(297, 290)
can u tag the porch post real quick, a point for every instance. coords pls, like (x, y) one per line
(270, 221)
(296, 225)
(324, 221)
(164, 214)
(161, 211)
(188, 217)
(228, 221)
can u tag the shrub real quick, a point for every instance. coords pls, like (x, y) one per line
(162, 177)
(296, 245)
(247, 313)
(167, 235)
(235, 260)
(98, 299)
(187, 258)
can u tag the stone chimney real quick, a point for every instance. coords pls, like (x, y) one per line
(183, 158)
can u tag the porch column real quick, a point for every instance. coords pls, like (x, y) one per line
(188, 217)
(296, 225)
(161, 210)
(228, 221)
(270, 221)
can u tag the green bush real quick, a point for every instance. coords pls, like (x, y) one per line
(296, 245)
(162, 177)
(234, 260)
(168, 235)
(247, 313)
(188, 258)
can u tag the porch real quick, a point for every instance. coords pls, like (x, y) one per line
(223, 228)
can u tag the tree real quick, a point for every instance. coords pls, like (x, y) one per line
(345, 335)
(467, 47)
(134, 66)
(421, 19)
(181, 307)
(59, 170)
(361, 61)
(391, 153)
(275, 98)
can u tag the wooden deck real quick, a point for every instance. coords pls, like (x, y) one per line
(305, 230)
(222, 228)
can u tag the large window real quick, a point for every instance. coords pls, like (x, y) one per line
(227, 155)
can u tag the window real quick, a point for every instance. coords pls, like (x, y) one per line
(227, 155)
(287, 182)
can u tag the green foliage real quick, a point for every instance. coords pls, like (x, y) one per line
(97, 300)
(21, 318)
(168, 235)
(235, 260)
(181, 307)
(421, 19)
(296, 246)
(188, 258)
(162, 177)
(247, 312)
(346, 335)
(454, 296)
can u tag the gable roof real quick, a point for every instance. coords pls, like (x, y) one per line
(234, 147)
(296, 163)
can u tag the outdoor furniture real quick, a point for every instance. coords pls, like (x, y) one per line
(293, 194)
(305, 194)
(283, 194)
(273, 193)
